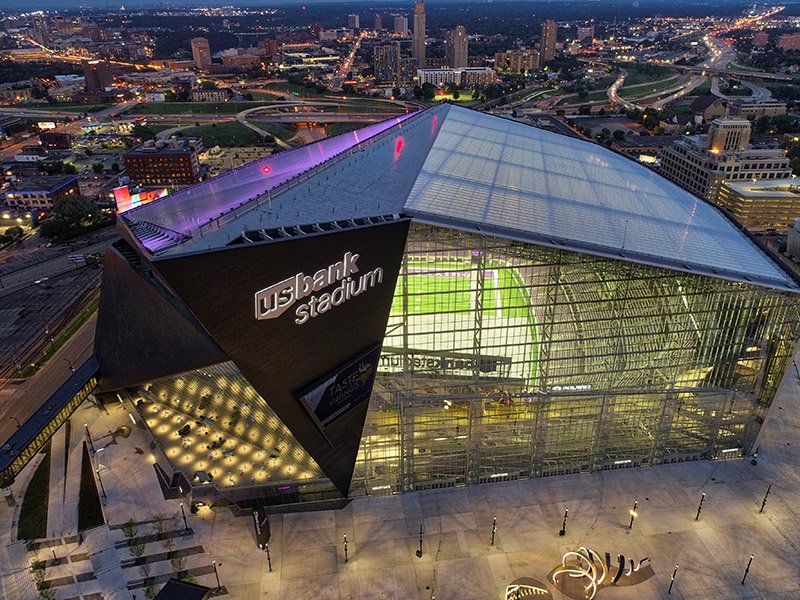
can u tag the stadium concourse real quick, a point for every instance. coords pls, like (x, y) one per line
(444, 299)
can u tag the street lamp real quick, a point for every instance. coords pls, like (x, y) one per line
(16, 420)
(69, 362)
(345, 547)
(102, 489)
(634, 514)
(494, 528)
(700, 507)
(563, 530)
(419, 551)
(89, 435)
(747, 569)
(672, 579)
(216, 573)
(183, 514)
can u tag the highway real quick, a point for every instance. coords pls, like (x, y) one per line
(340, 77)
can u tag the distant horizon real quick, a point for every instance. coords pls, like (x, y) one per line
(13, 6)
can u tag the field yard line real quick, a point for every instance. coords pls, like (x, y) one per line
(497, 300)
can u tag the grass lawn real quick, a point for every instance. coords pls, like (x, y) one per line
(291, 88)
(225, 135)
(337, 128)
(197, 108)
(33, 513)
(703, 89)
(652, 88)
(596, 96)
(465, 96)
(90, 511)
(646, 74)
(78, 108)
(282, 131)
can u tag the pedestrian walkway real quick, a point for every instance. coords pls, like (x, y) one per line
(460, 560)
(55, 503)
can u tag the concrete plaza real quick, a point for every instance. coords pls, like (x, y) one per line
(458, 560)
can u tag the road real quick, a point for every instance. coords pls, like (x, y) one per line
(19, 400)
(344, 70)
(687, 88)
(613, 92)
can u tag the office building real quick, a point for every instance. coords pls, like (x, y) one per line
(41, 192)
(764, 204)
(378, 26)
(467, 77)
(789, 41)
(98, 75)
(353, 22)
(457, 48)
(585, 32)
(387, 64)
(401, 25)
(517, 61)
(157, 163)
(547, 42)
(760, 39)
(418, 39)
(491, 302)
(701, 164)
(201, 53)
(755, 109)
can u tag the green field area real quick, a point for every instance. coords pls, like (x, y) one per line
(283, 131)
(446, 287)
(292, 88)
(644, 73)
(76, 108)
(197, 108)
(575, 100)
(651, 88)
(225, 135)
(336, 128)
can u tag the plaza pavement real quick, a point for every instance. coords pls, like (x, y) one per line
(458, 560)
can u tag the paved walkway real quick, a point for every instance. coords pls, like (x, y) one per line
(458, 561)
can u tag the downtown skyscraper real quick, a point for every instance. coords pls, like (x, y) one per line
(418, 39)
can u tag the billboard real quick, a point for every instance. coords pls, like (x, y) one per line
(343, 389)
(126, 201)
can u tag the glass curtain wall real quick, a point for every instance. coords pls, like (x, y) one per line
(504, 360)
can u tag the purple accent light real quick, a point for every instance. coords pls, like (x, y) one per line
(186, 210)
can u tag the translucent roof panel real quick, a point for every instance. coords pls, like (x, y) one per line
(497, 175)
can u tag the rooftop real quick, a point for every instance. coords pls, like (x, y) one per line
(42, 183)
(767, 188)
(463, 169)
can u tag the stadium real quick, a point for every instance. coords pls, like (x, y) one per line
(443, 299)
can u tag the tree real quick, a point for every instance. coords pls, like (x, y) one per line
(428, 90)
(97, 167)
(618, 135)
(15, 232)
(396, 92)
(456, 95)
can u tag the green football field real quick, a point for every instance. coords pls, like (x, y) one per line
(443, 287)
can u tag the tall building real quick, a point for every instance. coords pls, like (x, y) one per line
(387, 64)
(725, 135)
(418, 39)
(702, 163)
(789, 41)
(547, 43)
(443, 323)
(378, 26)
(353, 22)
(760, 39)
(457, 48)
(755, 109)
(201, 53)
(172, 163)
(585, 32)
(401, 25)
(518, 61)
(98, 75)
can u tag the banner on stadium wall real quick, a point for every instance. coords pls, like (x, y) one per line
(125, 201)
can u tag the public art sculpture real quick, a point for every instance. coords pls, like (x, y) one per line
(590, 572)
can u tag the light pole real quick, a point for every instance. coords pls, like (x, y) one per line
(345, 548)
(563, 531)
(89, 435)
(700, 506)
(633, 513)
(102, 489)
(419, 551)
(494, 528)
(672, 579)
(216, 574)
(69, 362)
(16, 420)
(183, 514)
(764, 502)
(747, 569)
(269, 558)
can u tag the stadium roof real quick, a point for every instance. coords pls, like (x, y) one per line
(464, 169)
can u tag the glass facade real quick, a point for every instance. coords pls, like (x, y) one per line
(504, 360)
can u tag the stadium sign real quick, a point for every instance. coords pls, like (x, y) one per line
(273, 301)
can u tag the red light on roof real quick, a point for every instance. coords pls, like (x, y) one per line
(398, 146)
(266, 169)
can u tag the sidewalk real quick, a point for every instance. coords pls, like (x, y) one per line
(459, 562)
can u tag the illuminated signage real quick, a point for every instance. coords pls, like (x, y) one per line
(125, 201)
(396, 359)
(580, 387)
(273, 301)
(46, 125)
(343, 389)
